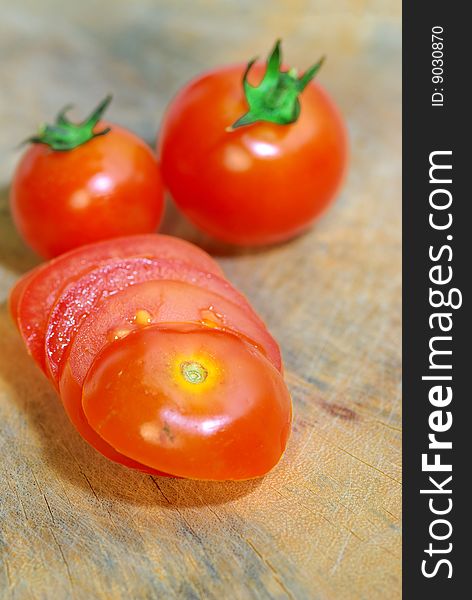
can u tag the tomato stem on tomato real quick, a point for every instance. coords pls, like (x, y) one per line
(64, 135)
(276, 98)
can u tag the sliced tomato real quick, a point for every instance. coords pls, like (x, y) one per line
(77, 417)
(196, 402)
(137, 307)
(42, 290)
(153, 302)
(98, 443)
(17, 291)
(83, 294)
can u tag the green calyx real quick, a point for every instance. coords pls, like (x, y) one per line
(276, 98)
(64, 135)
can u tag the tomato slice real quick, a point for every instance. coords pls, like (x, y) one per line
(77, 417)
(81, 295)
(17, 291)
(42, 290)
(133, 308)
(192, 401)
(164, 301)
(138, 306)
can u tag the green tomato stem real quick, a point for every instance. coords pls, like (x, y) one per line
(64, 135)
(276, 98)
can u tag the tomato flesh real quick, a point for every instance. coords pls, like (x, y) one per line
(82, 295)
(43, 288)
(77, 417)
(162, 302)
(190, 401)
(158, 301)
(17, 290)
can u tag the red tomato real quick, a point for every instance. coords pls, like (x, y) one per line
(41, 291)
(162, 302)
(80, 297)
(17, 291)
(74, 410)
(106, 187)
(258, 184)
(190, 401)
(139, 306)
(77, 417)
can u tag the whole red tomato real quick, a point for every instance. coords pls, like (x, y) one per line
(253, 165)
(81, 183)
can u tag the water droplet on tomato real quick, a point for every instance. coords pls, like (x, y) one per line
(211, 315)
(116, 334)
(142, 317)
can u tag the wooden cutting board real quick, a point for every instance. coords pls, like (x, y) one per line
(326, 523)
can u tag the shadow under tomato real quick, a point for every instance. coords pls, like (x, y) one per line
(175, 223)
(14, 254)
(62, 449)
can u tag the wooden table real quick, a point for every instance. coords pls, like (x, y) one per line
(326, 523)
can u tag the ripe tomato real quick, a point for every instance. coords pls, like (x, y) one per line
(270, 176)
(161, 302)
(78, 184)
(80, 297)
(17, 291)
(36, 299)
(99, 299)
(190, 401)
(73, 407)
(141, 306)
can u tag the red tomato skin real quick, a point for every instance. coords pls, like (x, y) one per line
(77, 418)
(82, 295)
(16, 293)
(236, 428)
(260, 184)
(166, 302)
(35, 301)
(108, 187)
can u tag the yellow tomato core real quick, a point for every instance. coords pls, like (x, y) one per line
(193, 372)
(196, 373)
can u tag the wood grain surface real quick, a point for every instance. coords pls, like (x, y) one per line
(326, 523)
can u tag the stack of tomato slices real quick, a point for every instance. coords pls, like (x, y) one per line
(161, 364)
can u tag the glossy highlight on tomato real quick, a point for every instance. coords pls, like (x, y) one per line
(163, 302)
(191, 401)
(81, 182)
(82, 295)
(157, 304)
(33, 301)
(261, 183)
